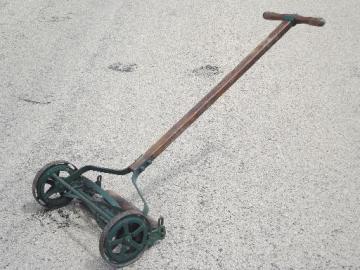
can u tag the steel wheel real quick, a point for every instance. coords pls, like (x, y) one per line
(46, 190)
(124, 238)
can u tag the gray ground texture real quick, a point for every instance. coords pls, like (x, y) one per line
(268, 178)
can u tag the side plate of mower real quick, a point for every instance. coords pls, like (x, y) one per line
(127, 230)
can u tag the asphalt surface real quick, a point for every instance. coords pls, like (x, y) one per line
(268, 178)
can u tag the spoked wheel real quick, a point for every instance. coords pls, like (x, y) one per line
(46, 190)
(124, 238)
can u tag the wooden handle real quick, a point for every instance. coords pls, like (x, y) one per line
(174, 132)
(297, 19)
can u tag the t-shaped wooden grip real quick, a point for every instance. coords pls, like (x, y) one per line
(297, 19)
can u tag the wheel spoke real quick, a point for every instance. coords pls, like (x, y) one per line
(135, 244)
(138, 230)
(49, 192)
(126, 238)
(116, 242)
(122, 254)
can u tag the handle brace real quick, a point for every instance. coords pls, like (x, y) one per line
(295, 18)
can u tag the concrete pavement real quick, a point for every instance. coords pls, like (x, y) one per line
(268, 178)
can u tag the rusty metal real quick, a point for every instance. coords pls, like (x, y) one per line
(126, 205)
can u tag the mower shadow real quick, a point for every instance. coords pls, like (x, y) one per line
(182, 167)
